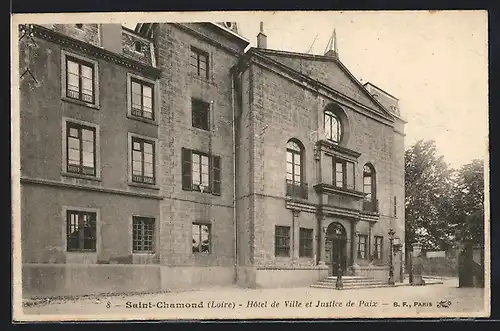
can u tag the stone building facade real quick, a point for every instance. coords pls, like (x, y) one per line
(172, 157)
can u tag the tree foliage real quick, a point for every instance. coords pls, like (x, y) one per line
(443, 206)
(428, 186)
(469, 202)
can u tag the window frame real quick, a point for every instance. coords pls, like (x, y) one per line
(376, 246)
(328, 131)
(65, 56)
(65, 146)
(373, 186)
(200, 53)
(155, 98)
(80, 212)
(306, 238)
(196, 103)
(279, 249)
(200, 225)
(156, 156)
(364, 245)
(214, 172)
(80, 128)
(345, 163)
(142, 220)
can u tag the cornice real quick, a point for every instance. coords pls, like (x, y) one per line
(38, 181)
(300, 205)
(332, 190)
(328, 210)
(94, 51)
(207, 39)
(329, 146)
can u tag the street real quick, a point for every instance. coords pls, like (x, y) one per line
(443, 300)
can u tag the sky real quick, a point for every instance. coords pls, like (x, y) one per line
(435, 63)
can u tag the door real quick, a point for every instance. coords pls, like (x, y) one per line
(335, 248)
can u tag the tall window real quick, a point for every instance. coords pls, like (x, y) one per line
(143, 161)
(79, 80)
(368, 183)
(282, 241)
(142, 99)
(81, 231)
(343, 174)
(201, 171)
(199, 62)
(200, 112)
(143, 229)
(395, 207)
(333, 128)
(201, 238)
(81, 145)
(362, 245)
(305, 242)
(377, 254)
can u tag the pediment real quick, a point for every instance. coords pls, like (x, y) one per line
(328, 71)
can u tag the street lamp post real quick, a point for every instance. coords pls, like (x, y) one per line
(391, 266)
(339, 285)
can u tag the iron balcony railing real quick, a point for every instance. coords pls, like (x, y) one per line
(370, 206)
(296, 189)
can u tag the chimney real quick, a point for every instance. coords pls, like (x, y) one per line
(261, 37)
(111, 37)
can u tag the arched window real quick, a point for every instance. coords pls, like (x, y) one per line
(369, 188)
(333, 127)
(295, 169)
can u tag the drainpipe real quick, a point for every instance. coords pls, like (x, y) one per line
(233, 133)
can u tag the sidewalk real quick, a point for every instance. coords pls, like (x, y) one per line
(240, 303)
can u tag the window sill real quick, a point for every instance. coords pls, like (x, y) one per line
(202, 79)
(207, 131)
(81, 103)
(142, 119)
(150, 186)
(80, 176)
(202, 254)
(143, 253)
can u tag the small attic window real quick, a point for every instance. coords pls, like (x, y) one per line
(228, 25)
(138, 46)
(79, 26)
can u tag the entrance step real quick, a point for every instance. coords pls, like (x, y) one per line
(351, 282)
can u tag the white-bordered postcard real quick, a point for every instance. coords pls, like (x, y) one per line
(250, 165)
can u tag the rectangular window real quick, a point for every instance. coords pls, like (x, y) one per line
(81, 146)
(282, 241)
(395, 207)
(80, 80)
(305, 242)
(343, 174)
(143, 161)
(362, 244)
(143, 229)
(81, 231)
(201, 172)
(199, 62)
(142, 99)
(201, 238)
(200, 114)
(377, 254)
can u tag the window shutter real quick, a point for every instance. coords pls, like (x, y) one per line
(186, 169)
(216, 175)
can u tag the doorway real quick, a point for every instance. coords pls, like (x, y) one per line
(335, 249)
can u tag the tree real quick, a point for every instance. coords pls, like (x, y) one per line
(429, 200)
(468, 202)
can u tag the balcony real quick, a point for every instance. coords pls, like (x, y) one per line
(370, 206)
(296, 189)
